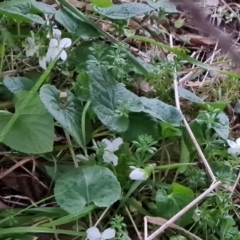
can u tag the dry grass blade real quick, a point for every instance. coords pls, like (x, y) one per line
(161, 221)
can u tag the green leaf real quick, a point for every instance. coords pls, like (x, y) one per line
(140, 124)
(102, 3)
(13, 3)
(221, 127)
(217, 121)
(124, 11)
(169, 204)
(43, 7)
(162, 111)
(82, 186)
(16, 84)
(68, 112)
(184, 93)
(166, 5)
(227, 222)
(21, 13)
(75, 25)
(107, 96)
(33, 131)
(167, 130)
(184, 157)
(214, 105)
(81, 87)
(57, 172)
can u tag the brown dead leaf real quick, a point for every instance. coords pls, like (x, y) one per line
(81, 5)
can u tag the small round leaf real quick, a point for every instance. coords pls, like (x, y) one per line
(82, 186)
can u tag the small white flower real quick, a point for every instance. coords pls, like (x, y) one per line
(56, 33)
(30, 46)
(93, 233)
(138, 174)
(114, 145)
(234, 147)
(56, 46)
(43, 62)
(111, 147)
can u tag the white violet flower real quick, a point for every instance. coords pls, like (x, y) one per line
(43, 62)
(111, 147)
(56, 33)
(93, 233)
(234, 147)
(57, 46)
(30, 46)
(138, 174)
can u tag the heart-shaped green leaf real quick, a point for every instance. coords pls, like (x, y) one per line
(33, 131)
(67, 112)
(169, 204)
(82, 186)
(108, 97)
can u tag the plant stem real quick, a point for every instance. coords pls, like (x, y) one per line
(18, 29)
(84, 126)
(2, 51)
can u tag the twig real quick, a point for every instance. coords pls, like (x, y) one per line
(134, 225)
(199, 150)
(183, 211)
(18, 164)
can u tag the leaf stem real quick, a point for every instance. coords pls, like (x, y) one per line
(2, 51)
(83, 123)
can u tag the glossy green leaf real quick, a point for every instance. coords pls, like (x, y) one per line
(33, 131)
(124, 11)
(82, 186)
(170, 203)
(75, 25)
